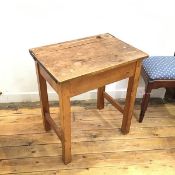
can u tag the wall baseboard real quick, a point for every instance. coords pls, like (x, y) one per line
(34, 96)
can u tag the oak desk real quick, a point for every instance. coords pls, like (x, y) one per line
(77, 66)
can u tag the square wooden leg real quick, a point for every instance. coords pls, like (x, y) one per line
(100, 97)
(42, 86)
(65, 117)
(130, 99)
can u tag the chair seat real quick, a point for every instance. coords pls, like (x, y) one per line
(160, 67)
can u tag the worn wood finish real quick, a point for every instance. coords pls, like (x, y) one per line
(130, 98)
(93, 81)
(85, 56)
(159, 169)
(65, 117)
(74, 67)
(42, 86)
(149, 148)
(88, 125)
(88, 147)
(149, 85)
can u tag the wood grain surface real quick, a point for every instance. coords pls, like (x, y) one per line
(68, 60)
(98, 146)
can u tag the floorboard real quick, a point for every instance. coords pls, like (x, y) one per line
(98, 147)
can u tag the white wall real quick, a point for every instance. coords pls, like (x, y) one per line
(146, 24)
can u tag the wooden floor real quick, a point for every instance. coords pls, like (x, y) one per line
(98, 147)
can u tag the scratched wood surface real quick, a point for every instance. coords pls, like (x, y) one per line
(98, 147)
(90, 55)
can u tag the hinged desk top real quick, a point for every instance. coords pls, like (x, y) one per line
(91, 55)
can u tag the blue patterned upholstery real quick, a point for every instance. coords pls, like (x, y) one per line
(160, 67)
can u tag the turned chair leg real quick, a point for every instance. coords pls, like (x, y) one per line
(144, 103)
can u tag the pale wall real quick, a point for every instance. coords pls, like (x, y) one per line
(146, 24)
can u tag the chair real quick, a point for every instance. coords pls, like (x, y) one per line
(157, 72)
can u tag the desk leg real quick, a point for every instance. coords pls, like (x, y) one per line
(65, 117)
(42, 86)
(130, 99)
(100, 97)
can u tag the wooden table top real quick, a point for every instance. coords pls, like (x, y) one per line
(72, 59)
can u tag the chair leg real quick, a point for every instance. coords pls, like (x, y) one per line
(144, 103)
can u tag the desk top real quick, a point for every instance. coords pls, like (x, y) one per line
(91, 55)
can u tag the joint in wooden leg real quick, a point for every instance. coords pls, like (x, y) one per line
(47, 126)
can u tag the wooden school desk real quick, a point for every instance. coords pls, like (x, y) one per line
(77, 66)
